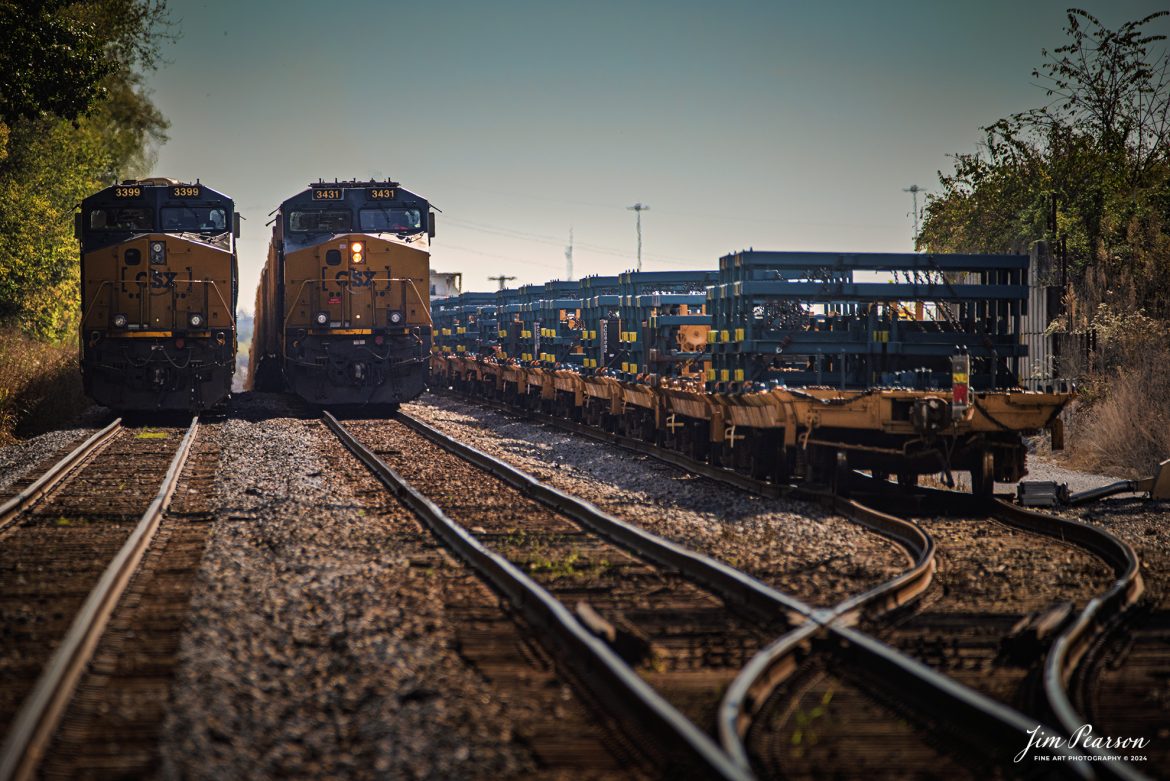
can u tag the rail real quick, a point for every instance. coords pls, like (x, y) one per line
(829, 629)
(591, 659)
(43, 484)
(38, 717)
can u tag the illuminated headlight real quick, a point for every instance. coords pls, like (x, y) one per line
(196, 320)
(322, 318)
(357, 250)
(120, 321)
(395, 318)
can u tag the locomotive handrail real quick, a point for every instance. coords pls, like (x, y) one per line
(231, 313)
(407, 280)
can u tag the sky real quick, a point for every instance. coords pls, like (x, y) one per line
(773, 125)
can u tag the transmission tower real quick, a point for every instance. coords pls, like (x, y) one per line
(638, 208)
(914, 190)
(569, 257)
(503, 280)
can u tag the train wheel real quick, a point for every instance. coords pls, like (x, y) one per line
(983, 476)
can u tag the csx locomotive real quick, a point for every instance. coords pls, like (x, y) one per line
(343, 305)
(158, 295)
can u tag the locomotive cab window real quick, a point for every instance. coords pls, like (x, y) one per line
(196, 219)
(390, 219)
(121, 219)
(320, 221)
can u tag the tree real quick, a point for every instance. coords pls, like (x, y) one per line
(63, 144)
(1100, 148)
(57, 65)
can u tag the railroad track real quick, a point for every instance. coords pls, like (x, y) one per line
(1121, 684)
(649, 643)
(1010, 646)
(71, 544)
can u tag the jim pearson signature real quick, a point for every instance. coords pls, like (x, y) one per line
(1083, 738)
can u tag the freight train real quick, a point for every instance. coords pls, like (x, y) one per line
(158, 295)
(343, 305)
(783, 366)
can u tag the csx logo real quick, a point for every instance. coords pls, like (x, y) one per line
(355, 278)
(158, 279)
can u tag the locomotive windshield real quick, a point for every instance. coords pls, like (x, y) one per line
(121, 219)
(390, 219)
(320, 221)
(205, 219)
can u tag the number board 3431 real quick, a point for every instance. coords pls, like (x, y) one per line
(327, 194)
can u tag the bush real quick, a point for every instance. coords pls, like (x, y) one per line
(40, 385)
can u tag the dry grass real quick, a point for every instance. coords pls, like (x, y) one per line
(1123, 426)
(40, 385)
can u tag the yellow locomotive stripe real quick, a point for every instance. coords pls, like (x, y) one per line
(148, 334)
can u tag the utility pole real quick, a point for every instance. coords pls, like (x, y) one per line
(569, 258)
(638, 208)
(914, 190)
(502, 280)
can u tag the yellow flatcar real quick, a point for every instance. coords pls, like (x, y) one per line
(158, 295)
(343, 305)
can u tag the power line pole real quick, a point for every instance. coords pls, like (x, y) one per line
(569, 258)
(914, 190)
(502, 280)
(638, 208)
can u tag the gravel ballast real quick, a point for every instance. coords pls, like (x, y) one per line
(320, 644)
(791, 545)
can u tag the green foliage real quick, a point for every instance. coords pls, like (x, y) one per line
(56, 66)
(1099, 151)
(61, 141)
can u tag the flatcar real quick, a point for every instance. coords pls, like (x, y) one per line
(783, 366)
(343, 306)
(158, 295)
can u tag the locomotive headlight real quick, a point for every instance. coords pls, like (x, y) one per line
(196, 320)
(158, 252)
(322, 318)
(357, 252)
(395, 318)
(120, 321)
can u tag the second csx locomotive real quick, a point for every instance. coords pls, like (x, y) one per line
(158, 295)
(343, 306)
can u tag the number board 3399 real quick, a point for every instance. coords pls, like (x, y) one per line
(128, 191)
(186, 191)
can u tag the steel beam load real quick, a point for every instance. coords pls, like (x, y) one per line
(663, 323)
(866, 320)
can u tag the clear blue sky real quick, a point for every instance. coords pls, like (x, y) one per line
(778, 125)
